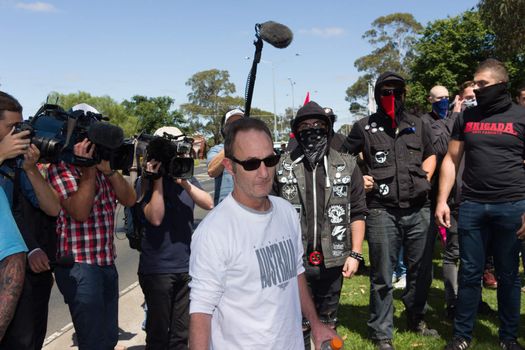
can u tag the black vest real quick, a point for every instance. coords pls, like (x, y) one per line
(393, 158)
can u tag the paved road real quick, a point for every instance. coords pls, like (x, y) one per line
(127, 262)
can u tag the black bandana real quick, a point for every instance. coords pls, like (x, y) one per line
(493, 98)
(314, 143)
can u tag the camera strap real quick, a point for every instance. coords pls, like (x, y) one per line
(71, 124)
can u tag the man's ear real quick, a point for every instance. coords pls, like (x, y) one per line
(228, 165)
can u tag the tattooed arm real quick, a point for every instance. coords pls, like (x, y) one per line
(12, 272)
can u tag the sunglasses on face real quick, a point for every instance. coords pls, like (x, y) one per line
(255, 163)
(395, 92)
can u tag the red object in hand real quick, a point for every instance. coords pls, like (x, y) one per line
(442, 235)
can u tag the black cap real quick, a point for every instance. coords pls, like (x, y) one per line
(311, 110)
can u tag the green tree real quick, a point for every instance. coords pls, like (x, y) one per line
(447, 54)
(393, 37)
(152, 113)
(506, 18)
(210, 97)
(104, 104)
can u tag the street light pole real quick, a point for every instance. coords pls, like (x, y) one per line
(292, 83)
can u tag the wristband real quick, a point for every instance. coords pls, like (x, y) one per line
(110, 174)
(356, 255)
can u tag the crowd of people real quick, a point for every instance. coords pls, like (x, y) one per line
(265, 267)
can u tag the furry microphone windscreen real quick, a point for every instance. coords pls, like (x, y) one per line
(276, 34)
(106, 135)
(161, 150)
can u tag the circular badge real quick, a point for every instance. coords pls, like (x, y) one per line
(380, 156)
(289, 192)
(373, 124)
(315, 258)
(384, 189)
(367, 127)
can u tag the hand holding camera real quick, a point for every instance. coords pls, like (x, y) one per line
(14, 144)
(31, 158)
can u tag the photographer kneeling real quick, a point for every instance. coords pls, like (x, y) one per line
(166, 209)
(85, 228)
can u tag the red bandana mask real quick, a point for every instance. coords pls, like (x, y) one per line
(388, 105)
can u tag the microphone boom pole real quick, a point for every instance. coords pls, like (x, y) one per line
(250, 83)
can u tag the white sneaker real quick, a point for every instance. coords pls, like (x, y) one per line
(401, 282)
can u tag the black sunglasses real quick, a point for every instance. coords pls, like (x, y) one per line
(395, 92)
(255, 163)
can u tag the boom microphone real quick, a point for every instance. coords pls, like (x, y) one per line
(106, 135)
(276, 34)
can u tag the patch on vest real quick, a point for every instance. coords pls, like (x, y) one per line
(384, 189)
(289, 192)
(341, 191)
(336, 214)
(380, 156)
(339, 232)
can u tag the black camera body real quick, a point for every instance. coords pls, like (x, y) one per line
(55, 132)
(174, 152)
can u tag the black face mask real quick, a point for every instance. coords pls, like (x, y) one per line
(314, 143)
(493, 98)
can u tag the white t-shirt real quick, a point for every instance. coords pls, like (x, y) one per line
(244, 266)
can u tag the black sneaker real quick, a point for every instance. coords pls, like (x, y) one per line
(417, 325)
(510, 345)
(384, 344)
(457, 344)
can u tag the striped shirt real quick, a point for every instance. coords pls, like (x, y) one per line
(90, 241)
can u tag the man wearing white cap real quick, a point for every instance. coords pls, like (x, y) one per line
(223, 180)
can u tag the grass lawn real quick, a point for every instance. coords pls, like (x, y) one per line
(353, 315)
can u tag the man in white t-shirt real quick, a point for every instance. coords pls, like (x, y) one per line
(248, 288)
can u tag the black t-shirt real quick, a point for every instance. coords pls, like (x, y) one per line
(166, 248)
(493, 151)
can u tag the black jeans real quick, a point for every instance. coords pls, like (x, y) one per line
(325, 287)
(168, 300)
(28, 327)
(450, 263)
(387, 230)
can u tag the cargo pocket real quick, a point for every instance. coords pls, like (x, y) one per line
(419, 186)
(380, 155)
(384, 184)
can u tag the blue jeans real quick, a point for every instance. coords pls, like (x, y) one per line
(477, 224)
(387, 231)
(91, 292)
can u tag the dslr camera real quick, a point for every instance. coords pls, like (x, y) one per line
(56, 131)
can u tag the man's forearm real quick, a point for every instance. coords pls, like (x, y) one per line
(358, 235)
(47, 197)
(447, 177)
(307, 305)
(215, 167)
(429, 165)
(200, 331)
(123, 190)
(80, 203)
(12, 272)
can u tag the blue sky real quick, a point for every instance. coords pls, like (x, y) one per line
(123, 48)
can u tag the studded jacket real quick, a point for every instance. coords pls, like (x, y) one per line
(325, 209)
(393, 157)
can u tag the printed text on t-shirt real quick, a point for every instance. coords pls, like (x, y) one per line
(276, 263)
(489, 128)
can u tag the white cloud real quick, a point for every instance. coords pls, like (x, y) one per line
(328, 32)
(36, 6)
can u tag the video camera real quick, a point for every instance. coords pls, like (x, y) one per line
(56, 131)
(173, 151)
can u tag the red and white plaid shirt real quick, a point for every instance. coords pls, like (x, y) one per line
(90, 241)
